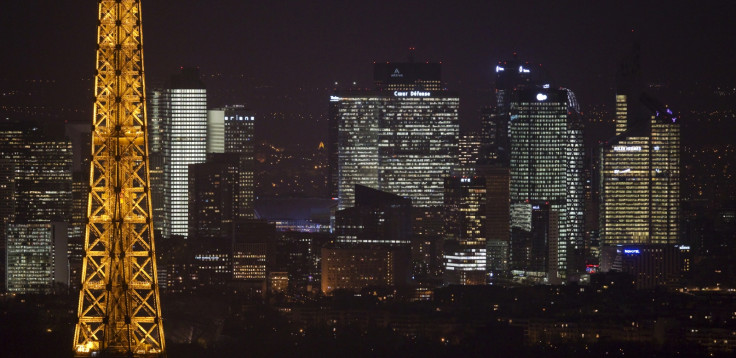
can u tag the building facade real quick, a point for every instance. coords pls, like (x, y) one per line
(546, 167)
(401, 138)
(640, 182)
(36, 259)
(465, 227)
(184, 142)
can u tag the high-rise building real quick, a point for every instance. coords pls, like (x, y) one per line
(356, 119)
(36, 258)
(640, 167)
(239, 138)
(42, 173)
(184, 142)
(468, 154)
(35, 178)
(216, 130)
(253, 253)
(465, 227)
(7, 207)
(401, 138)
(213, 205)
(546, 165)
(575, 186)
(497, 219)
(156, 109)
(491, 128)
(511, 75)
(640, 185)
(230, 130)
(428, 243)
(534, 242)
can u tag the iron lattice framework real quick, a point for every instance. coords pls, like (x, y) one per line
(119, 311)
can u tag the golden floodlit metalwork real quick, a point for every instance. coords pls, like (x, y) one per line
(119, 311)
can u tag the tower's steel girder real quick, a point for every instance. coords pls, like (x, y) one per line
(119, 312)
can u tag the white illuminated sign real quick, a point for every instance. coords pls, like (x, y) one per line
(334, 99)
(499, 69)
(397, 73)
(623, 148)
(632, 251)
(541, 97)
(465, 180)
(412, 93)
(616, 171)
(523, 70)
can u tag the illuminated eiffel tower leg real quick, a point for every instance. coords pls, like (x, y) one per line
(119, 313)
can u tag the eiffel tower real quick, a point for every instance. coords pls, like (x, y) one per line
(119, 312)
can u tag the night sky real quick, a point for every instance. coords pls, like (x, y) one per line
(284, 56)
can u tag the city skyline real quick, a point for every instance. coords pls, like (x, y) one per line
(281, 57)
(531, 179)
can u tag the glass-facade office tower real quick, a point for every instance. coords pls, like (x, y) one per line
(465, 227)
(640, 183)
(498, 218)
(546, 163)
(511, 75)
(239, 138)
(401, 138)
(184, 127)
(35, 179)
(37, 259)
(230, 130)
(42, 168)
(640, 167)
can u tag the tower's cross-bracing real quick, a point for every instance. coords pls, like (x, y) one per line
(119, 311)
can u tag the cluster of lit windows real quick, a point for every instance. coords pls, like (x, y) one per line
(546, 165)
(403, 145)
(30, 258)
(640, 188)
(354, 269)
(185, 139)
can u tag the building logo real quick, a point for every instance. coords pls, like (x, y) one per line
(624, 148)
(412, 94)
(397, 73)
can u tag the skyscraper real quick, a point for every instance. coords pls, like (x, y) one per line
(511, 75)
(546, 165)
(231, 130)
(213, 204)
(465, 227)
(184, 142)
(497, 218)
(42, 167)
(401, 138)
(469, 154)
(239, 139)
(640, 188)
(37, 258)
(640, 167)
